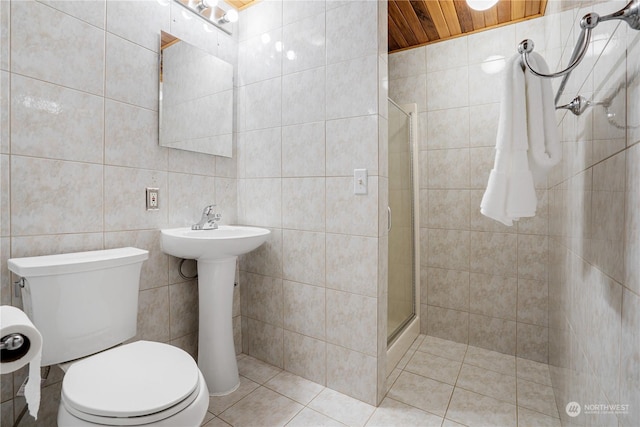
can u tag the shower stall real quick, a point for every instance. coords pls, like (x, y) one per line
(403, 319)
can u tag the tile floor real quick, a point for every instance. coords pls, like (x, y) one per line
(437, 383)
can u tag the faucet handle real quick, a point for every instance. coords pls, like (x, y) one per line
(208, 210)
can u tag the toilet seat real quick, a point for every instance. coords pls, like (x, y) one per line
(131, 385)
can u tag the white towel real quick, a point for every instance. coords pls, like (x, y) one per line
(527, 143)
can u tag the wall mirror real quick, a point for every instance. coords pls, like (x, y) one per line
(196, 99)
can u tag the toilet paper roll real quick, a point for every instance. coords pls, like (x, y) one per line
(15, 321)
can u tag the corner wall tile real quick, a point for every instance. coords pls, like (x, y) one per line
(266, 342)
(492, 333)
(448, 324)
(305, 356)
(343, 365)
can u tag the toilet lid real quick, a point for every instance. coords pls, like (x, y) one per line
(133, 380)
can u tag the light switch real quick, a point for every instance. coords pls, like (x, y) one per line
(360, 181)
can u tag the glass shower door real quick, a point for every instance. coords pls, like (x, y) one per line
(401, 299)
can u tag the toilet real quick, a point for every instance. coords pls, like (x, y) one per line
(85, 305)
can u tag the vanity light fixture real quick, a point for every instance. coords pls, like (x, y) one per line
(481, 4)
(210, 10)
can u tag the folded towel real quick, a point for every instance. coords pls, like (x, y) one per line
(527, 143)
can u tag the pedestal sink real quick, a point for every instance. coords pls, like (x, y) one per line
(216, 252)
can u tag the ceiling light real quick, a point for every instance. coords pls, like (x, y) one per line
(481, 4)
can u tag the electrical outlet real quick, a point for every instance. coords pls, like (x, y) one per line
(152, 199)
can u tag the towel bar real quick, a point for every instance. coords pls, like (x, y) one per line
(629, 14)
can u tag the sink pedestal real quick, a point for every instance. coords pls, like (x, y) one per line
(216, 350)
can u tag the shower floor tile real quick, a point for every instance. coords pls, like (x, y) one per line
(438, 383)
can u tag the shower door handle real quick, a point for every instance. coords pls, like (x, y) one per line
(388, 219)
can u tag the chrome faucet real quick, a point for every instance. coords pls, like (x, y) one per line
(208, 220)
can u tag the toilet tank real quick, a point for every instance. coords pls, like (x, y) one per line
(83, 302)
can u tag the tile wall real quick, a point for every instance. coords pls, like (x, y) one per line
(482, 283)
(312, 108)
(79, 144)
(594, 232)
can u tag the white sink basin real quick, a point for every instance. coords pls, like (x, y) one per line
(224, 242)
(216, 252)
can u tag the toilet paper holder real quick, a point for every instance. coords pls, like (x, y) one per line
(12, 342)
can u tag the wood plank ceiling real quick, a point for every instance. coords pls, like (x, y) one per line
(415, 23)
(418, 22)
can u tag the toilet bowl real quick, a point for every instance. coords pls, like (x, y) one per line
(85, 306)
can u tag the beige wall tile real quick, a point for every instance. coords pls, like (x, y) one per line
(493, 296)
(348, 213)
(303, 203)
(266, 342)
(533, 302)
(448, 249)
(155, 270)
(73, 201)
(447, 288)
(81, 45)
(533, 253)
(494, 253)
(350, 263)
(264, 298)
(448, 209)
(448, 168)
(532, 342)
(183, 309)
(131, 73)
(304, 309)
(153, 315)
(492, 333)
(55, 122)
(343, 365)
(304, 257)
(305, 356)
(448, 324)
(351, 321)
(124, 198)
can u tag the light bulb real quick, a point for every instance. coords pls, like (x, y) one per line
(230, 16)
(481, 4)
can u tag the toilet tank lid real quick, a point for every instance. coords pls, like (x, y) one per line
(76, 262)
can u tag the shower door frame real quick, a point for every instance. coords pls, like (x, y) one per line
(401, 343)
